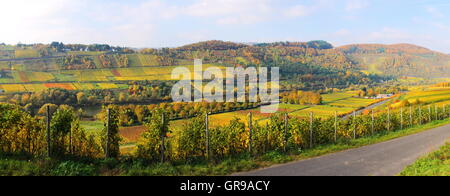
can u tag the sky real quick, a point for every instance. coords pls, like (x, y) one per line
(171, 23)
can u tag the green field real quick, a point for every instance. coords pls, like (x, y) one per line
(92, 126)
(435, 164)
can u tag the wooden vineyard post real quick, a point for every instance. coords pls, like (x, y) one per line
(410, 116)
(70, 142)
(163, 121)
(448, 111)
(444, 108)
(207, 136)
(108, 119)
(285, 131)
(373, 122)
(335, 125)
(250, 126)
(49, 153)
(436, 111)
(401, 118)
(443, 111)
(429, 113)
(420, 115)
(389, 120)
(311, 121)
(354, 125)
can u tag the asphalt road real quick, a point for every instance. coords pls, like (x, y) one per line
(382, 159)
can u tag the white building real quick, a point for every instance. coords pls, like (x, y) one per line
(384, 96)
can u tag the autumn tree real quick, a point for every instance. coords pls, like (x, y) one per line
(112, 127)
(61, 126)
(151, 141)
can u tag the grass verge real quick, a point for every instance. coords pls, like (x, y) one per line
(434, 164)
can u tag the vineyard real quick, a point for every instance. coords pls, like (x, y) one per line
(417, 96)
(335, 108)
(22, 133)
(224, 117)
(20, 81)
(16, 88)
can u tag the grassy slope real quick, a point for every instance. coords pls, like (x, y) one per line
(435, 164)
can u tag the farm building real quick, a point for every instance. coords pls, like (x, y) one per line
(384, 96)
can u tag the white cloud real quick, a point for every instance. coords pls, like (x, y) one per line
(299, 11)
(302, 10)
(388, 34)
(434, 12)
(227, 7)
(32, 21)
(342, 32)
(83, 21)
(232, 11)
(356, 5)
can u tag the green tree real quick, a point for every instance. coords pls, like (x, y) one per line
(61, 126)
(113, 139)
(151, 141)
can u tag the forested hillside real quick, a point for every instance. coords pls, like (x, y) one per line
(398, 59)
(391, 60)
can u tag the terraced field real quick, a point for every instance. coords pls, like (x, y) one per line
(425, 95)
(332, 97)
(15, 88)
(429, 96)
(341, 102)
(323, 111)
(20, 81)
(26, 53)
(352, 103)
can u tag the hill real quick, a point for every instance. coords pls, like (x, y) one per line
(398, 59)
(294, 57)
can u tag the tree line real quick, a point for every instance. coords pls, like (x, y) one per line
(302, 98)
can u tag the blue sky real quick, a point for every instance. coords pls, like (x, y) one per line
(169, 23)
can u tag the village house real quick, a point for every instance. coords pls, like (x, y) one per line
(384, 96)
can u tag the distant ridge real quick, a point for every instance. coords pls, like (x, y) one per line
(388, 48)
